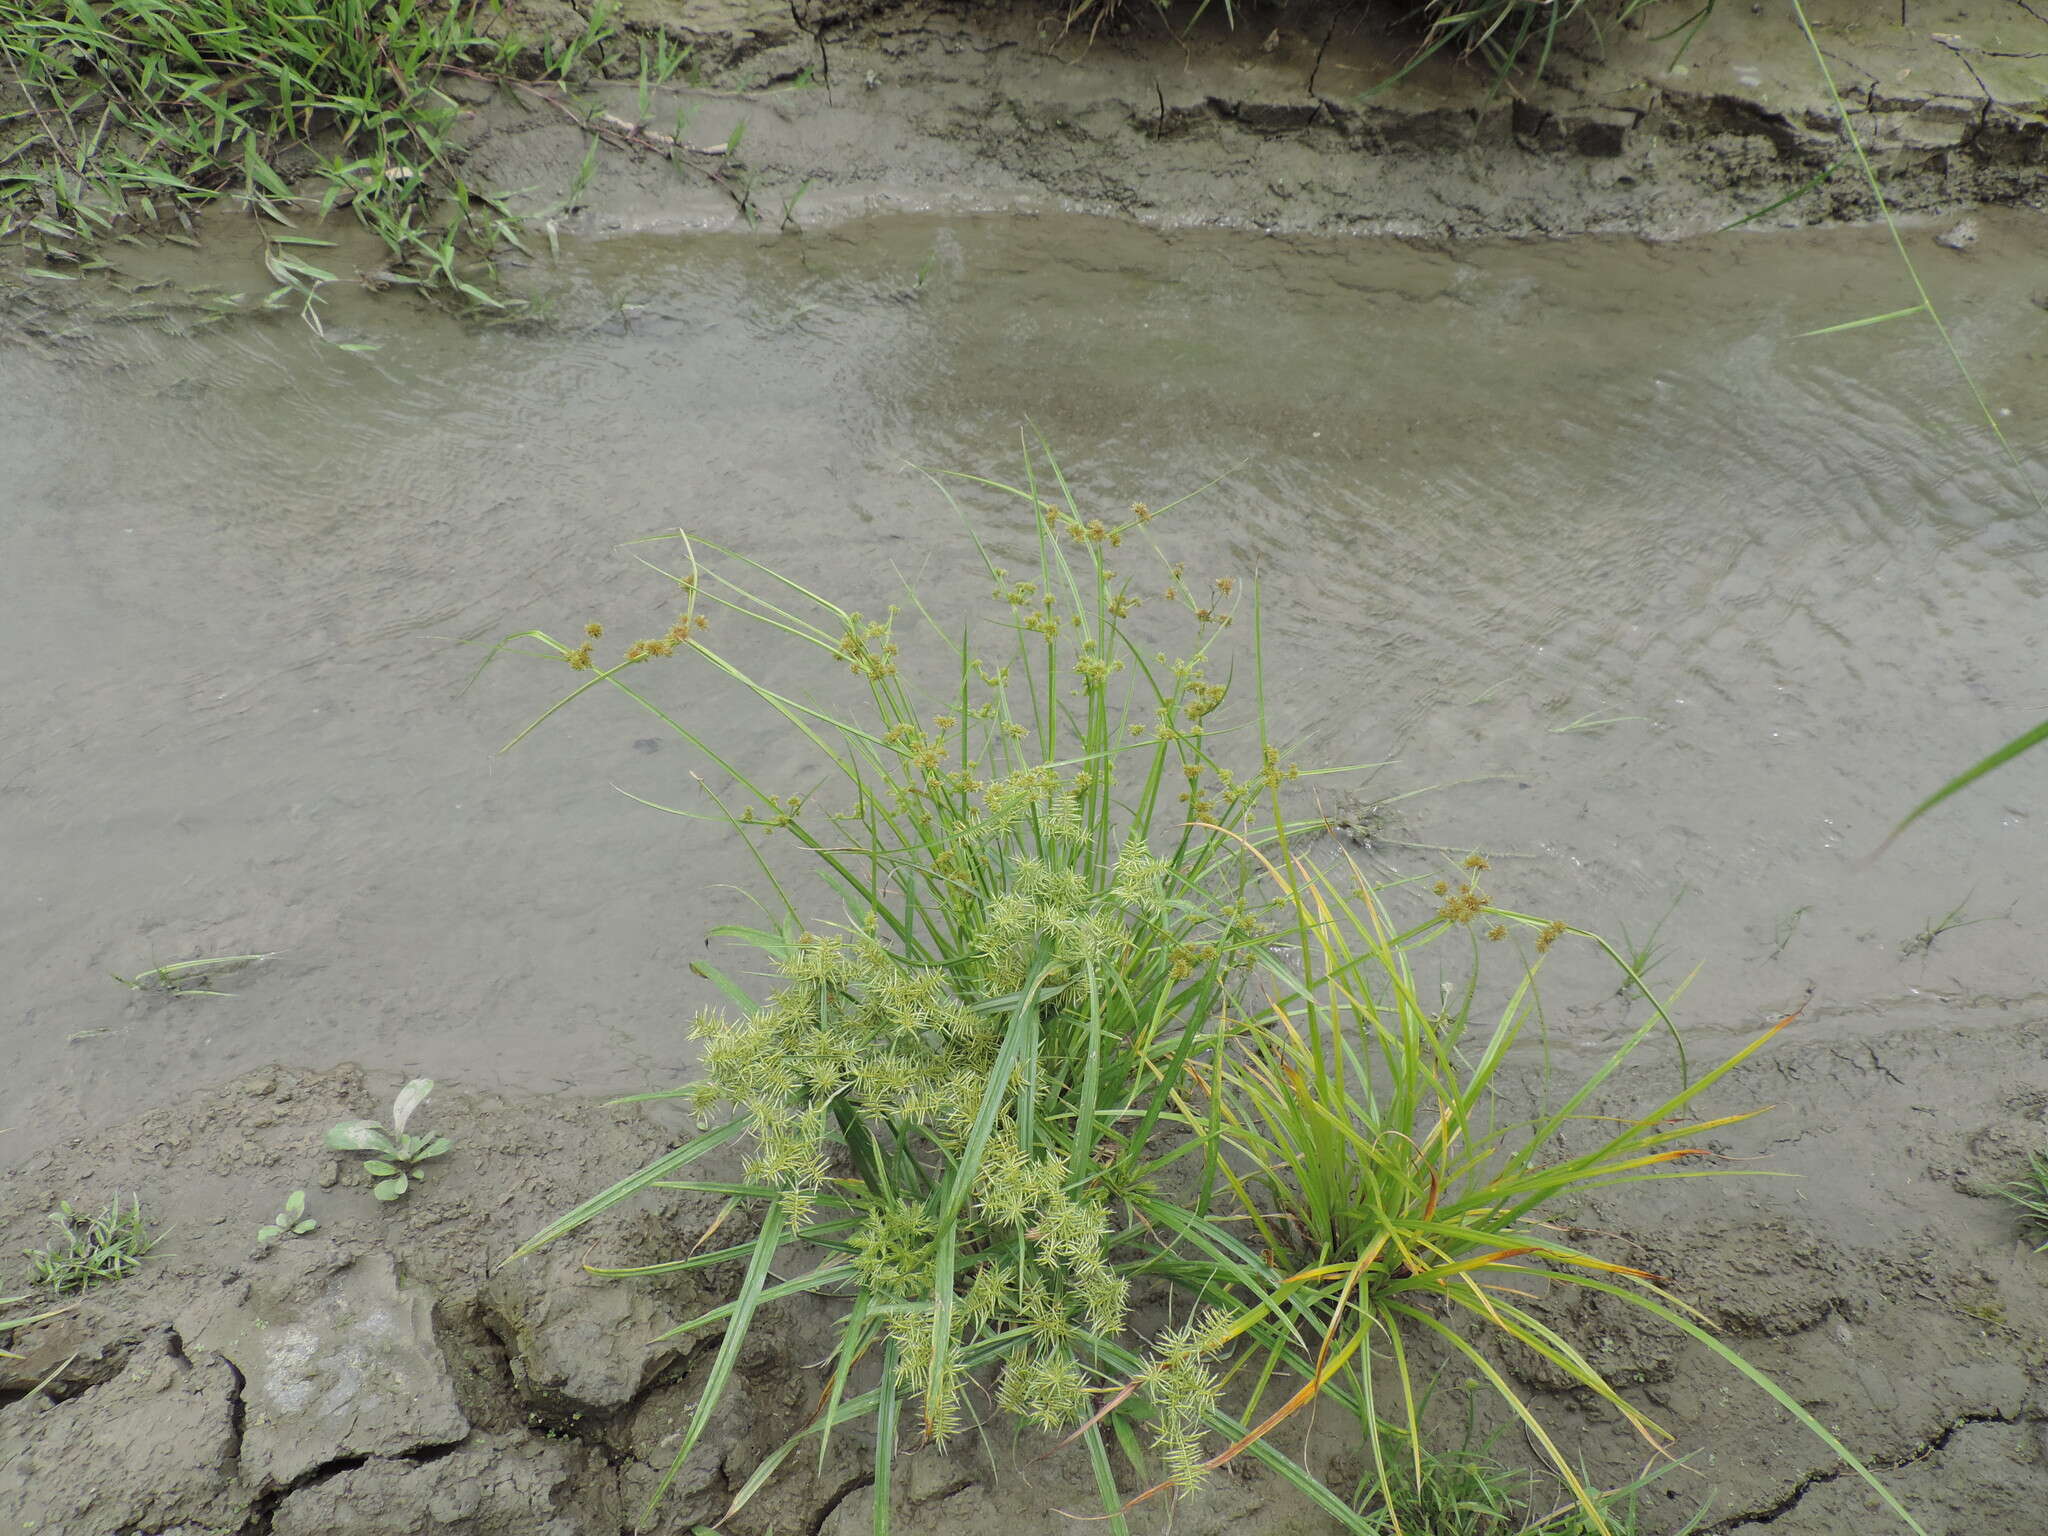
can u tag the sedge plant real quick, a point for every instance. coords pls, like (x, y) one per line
(1391, 1208)
(956, 1096)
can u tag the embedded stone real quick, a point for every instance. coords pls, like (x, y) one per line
(338, 1361)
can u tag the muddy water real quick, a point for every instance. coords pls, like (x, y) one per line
(1495, 494)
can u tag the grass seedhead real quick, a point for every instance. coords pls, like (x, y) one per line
(90, 1250)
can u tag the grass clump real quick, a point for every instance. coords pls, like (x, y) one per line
(137, 112)
(89, 1250)
(1083, 1025)
(2029, 1193)
(1501, 35)
(1392, 1204)
(1504, 34)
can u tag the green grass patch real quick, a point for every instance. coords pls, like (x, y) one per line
(90, 1249)
(1509, 34)
(1463, 1489)
(125, 116)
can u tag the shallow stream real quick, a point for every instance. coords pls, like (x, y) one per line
(1496, 495)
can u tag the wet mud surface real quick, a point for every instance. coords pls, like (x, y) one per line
(1665, 607)
(1287, 122)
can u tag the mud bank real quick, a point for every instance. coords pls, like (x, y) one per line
(383, 1374)
(851, 108)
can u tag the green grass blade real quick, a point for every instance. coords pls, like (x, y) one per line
(729, 1348)
(886, 1415)
(629, 1186)
(1857, 325)
(2024, 742)
(1105, 1483)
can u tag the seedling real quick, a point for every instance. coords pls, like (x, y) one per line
(1787, 927)
(1594, 723)
(1641, 957)
(1935, 927)
(187, 978)
(292, 1221)
(90, 1249)
(789, 203)
(396, 1155)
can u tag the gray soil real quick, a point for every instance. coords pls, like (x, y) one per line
(1674, 605)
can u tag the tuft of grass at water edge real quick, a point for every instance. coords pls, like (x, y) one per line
(1083, 1013)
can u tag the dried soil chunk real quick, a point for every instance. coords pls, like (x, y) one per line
(579, 1345)
(339, 1362)
(492, 1486)
(150, 1450)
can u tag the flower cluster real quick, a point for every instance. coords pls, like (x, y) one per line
(855, 1030)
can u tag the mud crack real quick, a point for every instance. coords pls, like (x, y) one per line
(1321, 49)
(264, 1512)
(817, 37)
(1928, 1447)
(831, 1505)
(1962, 58)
